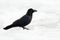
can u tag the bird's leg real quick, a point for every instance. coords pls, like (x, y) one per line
(25, 28)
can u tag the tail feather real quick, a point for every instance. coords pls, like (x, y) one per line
(8, 27)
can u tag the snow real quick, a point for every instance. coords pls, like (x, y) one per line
(45, 24)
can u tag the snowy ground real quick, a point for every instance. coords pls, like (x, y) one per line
(45, 24)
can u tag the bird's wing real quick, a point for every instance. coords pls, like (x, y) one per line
(23, 20)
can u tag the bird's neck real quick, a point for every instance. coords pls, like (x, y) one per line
(29, 14)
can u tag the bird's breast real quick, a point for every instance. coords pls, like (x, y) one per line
(27, 19)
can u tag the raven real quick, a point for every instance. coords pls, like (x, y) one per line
(23, 21)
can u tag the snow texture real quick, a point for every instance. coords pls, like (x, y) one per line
(45, 24)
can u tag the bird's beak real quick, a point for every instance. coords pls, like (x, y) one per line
(35, 10)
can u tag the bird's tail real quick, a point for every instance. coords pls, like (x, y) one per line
(8, 27)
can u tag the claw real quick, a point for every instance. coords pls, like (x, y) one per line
(25, 28)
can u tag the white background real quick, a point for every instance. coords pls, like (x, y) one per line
(45, 24)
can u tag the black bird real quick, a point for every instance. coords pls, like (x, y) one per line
(23, 21)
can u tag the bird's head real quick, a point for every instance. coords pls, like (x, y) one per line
(31, 11)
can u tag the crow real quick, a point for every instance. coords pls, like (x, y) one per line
(23, 21)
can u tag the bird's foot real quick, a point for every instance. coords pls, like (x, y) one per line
(25, 28)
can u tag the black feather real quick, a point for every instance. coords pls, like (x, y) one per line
(23, 21)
